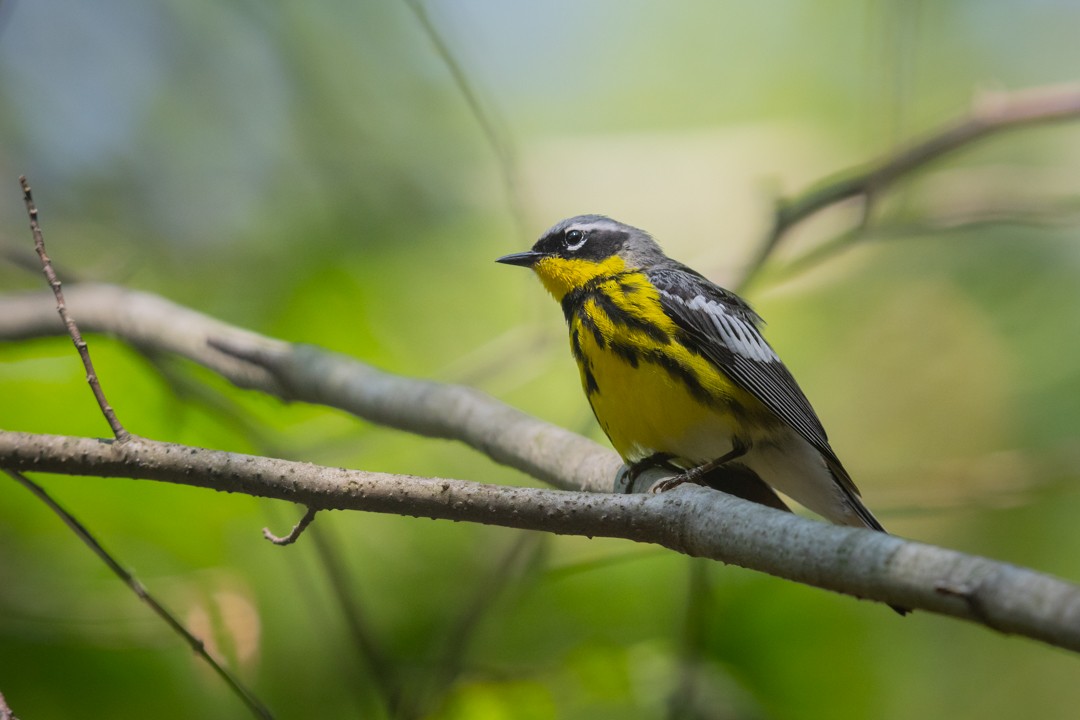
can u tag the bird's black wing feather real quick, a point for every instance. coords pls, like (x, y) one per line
(723, 328)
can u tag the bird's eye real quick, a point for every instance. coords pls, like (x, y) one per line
(574, 240)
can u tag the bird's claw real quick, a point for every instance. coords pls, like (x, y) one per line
(670, 483)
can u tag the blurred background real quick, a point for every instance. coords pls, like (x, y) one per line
(314, 171)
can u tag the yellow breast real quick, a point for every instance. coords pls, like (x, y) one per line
(650, 392)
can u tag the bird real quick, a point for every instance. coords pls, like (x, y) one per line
(679, 375)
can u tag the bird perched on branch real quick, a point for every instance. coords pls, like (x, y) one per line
(679, 376)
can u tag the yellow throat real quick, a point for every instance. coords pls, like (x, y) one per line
(561, 275)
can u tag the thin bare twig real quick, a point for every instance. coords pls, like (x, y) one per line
(307, 581)
(520, 553)
(294, 534)
(69, 322)
(247, 696)
(683, 700)
(1048, 217)
(502, 148)
(366, 645)
(991, 113)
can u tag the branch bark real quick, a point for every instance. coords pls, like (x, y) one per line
(991, 113)
(73, 330)
(309, 374)
(690, 519)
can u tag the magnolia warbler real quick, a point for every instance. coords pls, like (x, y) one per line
(679, 376)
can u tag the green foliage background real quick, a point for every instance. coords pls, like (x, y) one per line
(311, 171)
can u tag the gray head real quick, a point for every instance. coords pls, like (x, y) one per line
(594, 238)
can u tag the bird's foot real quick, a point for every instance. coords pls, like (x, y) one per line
(688, 476)
(630, 476)
(696, 475)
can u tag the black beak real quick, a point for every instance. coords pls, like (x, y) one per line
(524, 259)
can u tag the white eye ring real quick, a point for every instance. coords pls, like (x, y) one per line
(572, 247)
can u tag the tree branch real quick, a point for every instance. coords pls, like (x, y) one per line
(991, 113)
(195, 643)
(690, 519)
(119, 432)
(295, 533)
(301, 372)
(500, 145)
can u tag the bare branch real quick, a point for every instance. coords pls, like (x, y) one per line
(691, 520)
(295, 533)
(502, 148)
(69, 322)
(683, 702)
(991, 113)
(365, 642)
(694, 521)
(301, 372)
(249, 698)
(520, 554)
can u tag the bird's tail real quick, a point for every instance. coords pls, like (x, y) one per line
(861, 512)
(860, 515)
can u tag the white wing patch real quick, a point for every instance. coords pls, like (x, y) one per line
(739, 336)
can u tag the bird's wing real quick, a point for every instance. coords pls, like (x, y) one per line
(723, 328)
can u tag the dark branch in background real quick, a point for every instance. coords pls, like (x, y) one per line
(23, 260)
(1061, 214)
(504, 153)
(992, 113)
(254, 704)
(76, 337)
(692, 520)
(684, 700)
(372, 656)
(520, 555)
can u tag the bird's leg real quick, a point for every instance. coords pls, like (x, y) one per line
(696, 474)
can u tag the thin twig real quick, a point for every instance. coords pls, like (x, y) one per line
(1061, 216)
(309, 586)
(294, 534)
(366, 645)
(991, 113)
(683, 700)
(69, 322)
(502, 148)
(189, 391)
(521, 552)
(247, 696)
